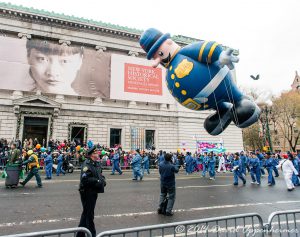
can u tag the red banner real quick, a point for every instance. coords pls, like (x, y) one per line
(142, 79)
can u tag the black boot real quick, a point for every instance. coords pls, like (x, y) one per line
(216, 123)
(245, 113)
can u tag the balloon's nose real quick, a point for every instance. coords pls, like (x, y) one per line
(156, 62)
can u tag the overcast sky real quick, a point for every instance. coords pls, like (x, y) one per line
(266, 32)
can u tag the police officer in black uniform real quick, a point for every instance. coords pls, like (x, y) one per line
(92, 182)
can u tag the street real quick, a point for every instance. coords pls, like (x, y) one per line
(126, 203)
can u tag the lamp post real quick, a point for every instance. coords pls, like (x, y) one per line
(264, 119)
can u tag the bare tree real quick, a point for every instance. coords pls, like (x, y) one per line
(285, 115)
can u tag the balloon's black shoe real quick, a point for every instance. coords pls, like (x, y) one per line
(217, 122)
(245, 113)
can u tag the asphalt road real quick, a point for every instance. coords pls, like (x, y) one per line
(126, 203)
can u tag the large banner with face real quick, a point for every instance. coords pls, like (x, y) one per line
(30, 65)
(135, 79)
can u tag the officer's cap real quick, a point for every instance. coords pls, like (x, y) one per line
(91, 150)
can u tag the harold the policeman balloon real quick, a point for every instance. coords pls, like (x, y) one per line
(199, 78)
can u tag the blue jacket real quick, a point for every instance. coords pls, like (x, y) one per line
(167, 174)
(254, 162)
(188, 160)
(60, 158)
(161, 158)
(212, 161)
(48, 160)
(136, 162)
(116, 158)
(146, 160)
(237, 163)
(205, 160)
(270, 163)
(243, 159)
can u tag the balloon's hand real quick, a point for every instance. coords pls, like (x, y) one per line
(226, 58)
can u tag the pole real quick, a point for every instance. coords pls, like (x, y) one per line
(268, 129)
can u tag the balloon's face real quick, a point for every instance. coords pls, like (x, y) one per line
(165, 53)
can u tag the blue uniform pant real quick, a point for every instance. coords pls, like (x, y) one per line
(276, 171)
(211, 171)
(116, 167)
(295, 180)
(189, 168)
(255, 174)
(236, 175)
(137, 173)
(243, 169)
(204, 170)
(60, 169)
(49, 170)
(271, 179)
(262, 168)
(145, 167)
(171, 192)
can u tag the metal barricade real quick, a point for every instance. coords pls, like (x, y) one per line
(283, 223)
(250, 224)
(59, 233)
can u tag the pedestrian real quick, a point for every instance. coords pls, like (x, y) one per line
(295, 178)
(167, 185)
(205, 164)
(60, 161)
(254, 165)
(14, 154)
(92, 182)
(145, 164)
(243, 159)
(136, 165)
(188, 163)
(288, 169)
(116, 162)
(276, 159)
(237, 170)
(33, 165)
(261, 162)
(212, 166)
(48, 164)
(269, 164)
(221, 163)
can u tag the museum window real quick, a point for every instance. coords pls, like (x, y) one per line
(150, 139)
(115, 136)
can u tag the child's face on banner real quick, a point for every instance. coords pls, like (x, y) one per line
(54, 73)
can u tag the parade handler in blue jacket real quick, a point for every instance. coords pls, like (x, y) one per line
(167, 184)
(199, 77)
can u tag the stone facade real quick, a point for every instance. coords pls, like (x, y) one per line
(172, 123)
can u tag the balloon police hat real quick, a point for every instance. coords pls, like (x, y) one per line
(151, 40)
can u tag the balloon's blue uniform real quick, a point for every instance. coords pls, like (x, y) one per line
(199, 78)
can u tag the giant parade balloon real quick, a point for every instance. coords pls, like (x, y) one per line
(199, 77)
